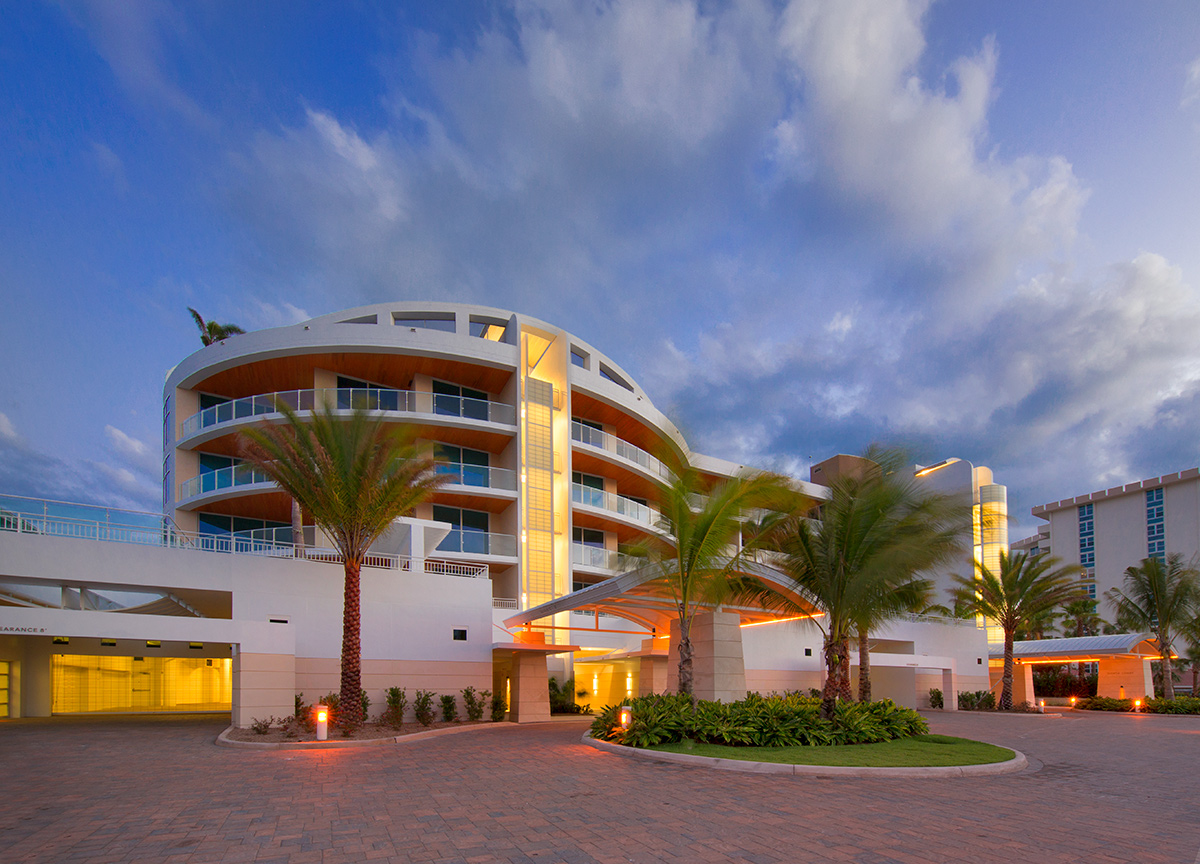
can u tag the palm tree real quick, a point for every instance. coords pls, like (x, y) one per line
(353, 476)
(1025, 588)
(705, 537)
(859, 563)
(211, 331)
(1161, 598)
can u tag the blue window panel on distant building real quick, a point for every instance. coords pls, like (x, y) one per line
(1156, 529)
(1087, 542)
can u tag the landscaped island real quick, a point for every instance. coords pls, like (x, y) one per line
(789, 728)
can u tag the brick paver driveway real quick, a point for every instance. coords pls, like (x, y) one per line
(1101, 788)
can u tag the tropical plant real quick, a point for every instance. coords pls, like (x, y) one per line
(1162, 598)
(1080, 618)
(353, 475)
(475, 702)
(211, 331)
(499, 708)
(700, 548)
(1025, 587)
(449, 708)
(858, 564)
(393, 714)
(423, 707)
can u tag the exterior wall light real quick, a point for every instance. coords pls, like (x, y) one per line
(322, 723)
(625, 717)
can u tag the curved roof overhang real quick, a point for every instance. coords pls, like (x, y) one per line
(639, 596)
(1082, 649)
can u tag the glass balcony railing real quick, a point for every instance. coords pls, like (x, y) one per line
(596, 558)
(620, 448)
(622, 506)
(345, 399)
(479, 543)
(478, 475)
(223, 478)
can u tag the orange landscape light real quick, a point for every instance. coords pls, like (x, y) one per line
(625, 717)
(322, 723)
(1137, 704)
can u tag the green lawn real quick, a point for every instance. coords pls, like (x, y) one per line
(919, 751)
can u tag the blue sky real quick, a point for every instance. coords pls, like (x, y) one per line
(967, 226)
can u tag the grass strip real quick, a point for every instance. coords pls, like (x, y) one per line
(918, 751)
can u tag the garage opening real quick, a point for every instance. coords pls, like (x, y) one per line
(83, 683)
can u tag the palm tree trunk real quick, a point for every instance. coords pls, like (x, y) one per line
(833, 674)
(1195, 679)
(1007, 680)
(685, 657)
(1168, 676)
(297, 530)
(844, 684)
(864, 667)
(350, 698)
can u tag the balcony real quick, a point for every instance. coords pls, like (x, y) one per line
(223, 478)
(478, 476)
(622, 449)
(595, 558)
(347, 399)
(479, 543)
(634, 511)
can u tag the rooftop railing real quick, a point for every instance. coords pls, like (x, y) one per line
(620, 448)
(597, 558)
(346, 399)
(478, 543)
(87, 522)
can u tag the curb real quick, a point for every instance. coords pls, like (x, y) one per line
(1017, 763)
(223, 740)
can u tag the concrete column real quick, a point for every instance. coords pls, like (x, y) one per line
(949, 690)
(719, 670)
(36, 690)
(530, 688)
(1125, 678)
(264, 685)
(652, 676)
(1023, 684)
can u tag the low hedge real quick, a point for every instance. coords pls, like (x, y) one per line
(1178, 705)
(757, 721)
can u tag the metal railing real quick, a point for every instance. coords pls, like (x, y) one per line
(62, 519)
(619, 504)
(242, 474)
(479, 543)
(345, 399)
(621, 448)
(477, 475)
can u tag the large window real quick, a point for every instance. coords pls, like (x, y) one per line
(1087, 540)
(84, 683)
(461, 464)
(468, 529)
(1156, 529)
(588, 537)
(352, 393)
(459, 401)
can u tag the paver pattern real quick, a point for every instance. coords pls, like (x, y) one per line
(1100, 788)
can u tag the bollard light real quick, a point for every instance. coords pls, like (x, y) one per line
(1137, 704)
(625, 717)
(322, 723)
(1072, 701)
(1041, 706)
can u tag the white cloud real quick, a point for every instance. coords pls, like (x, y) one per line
(111, 165)
(8, 432)
(135, 453)
(1191, 83)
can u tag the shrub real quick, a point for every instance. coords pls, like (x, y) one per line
(771, 721)
(475, 702)
(935, 698)
(979, 700)
(366, 704)
(1178, 705)
(449, 708)
(1062, 681)
(423, 707)
(262, 727)
(1105, 703)
(562, 698)
(393, 713)
(499, 708)
(304, 715)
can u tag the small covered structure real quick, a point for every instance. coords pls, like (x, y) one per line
(1123, 660)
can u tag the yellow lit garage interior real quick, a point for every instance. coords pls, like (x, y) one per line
(84, 683)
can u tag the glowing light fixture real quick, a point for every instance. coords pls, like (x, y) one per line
(322, 723)
(625, 717)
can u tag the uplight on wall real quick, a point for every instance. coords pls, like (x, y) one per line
(628, 683)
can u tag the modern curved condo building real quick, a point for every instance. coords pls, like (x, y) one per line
(550, 452)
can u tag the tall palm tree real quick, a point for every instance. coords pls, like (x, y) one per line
(1161, 598)
(1025, 588)
(704, 539)
(1080, 618)
(353, 476)
(211, 331)
(859, 563)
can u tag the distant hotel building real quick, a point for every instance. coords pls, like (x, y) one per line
(1107, 531)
